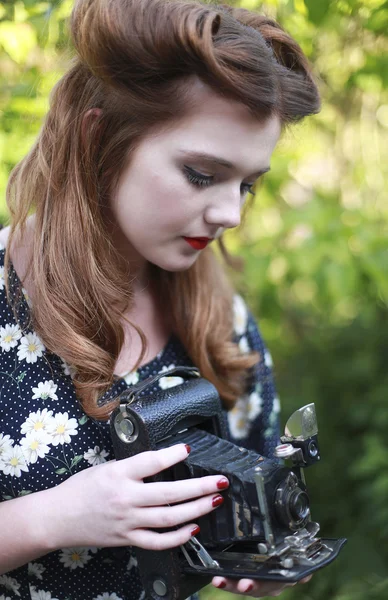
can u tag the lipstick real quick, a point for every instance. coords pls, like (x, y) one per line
(197, 243)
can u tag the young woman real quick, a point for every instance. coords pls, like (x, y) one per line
(155, 137)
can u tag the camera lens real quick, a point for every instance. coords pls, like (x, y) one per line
(292, 504)
(299, 505)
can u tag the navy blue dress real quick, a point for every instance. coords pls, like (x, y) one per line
(45, 437)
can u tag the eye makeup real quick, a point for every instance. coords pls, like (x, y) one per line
(198, 179)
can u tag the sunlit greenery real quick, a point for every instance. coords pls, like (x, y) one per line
(315, 244)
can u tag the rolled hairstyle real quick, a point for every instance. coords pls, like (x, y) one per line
(135, 60)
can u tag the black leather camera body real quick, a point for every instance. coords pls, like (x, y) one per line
(264, 528)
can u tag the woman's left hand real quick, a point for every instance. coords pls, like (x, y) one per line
(253, 587)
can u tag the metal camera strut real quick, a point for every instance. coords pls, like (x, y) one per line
(263, 530)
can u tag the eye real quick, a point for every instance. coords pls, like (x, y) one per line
(196, 178)
(247, 188)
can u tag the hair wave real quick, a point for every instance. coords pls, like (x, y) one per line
(134, 61)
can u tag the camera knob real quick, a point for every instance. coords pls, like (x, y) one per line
(159, 587)
(284, 451)
(262, 548)
(287, 563)
(125, 428)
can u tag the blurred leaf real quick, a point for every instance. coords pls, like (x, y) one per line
(17, 39)
(317, 10)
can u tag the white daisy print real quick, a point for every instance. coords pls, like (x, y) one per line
(13, 462)
(268, 359)
(9, 337)
(69, 369)
(5, 445)
(107, 596)
(240, 315)
(45, 390)
(243, 345)
(237, 419)
(30, 348)
(73, 558)
(2, 281)
(142, 596)
(10, 584)
(276, 405)
(39, 420)
(132, 563)
(40, 594)
(131, 378)
(26, 297)
(36, 570)
(169, 382)
(61, 428)
(255, 405)
(35, 446)
(95, 456)
(246, 409)
(2, 597)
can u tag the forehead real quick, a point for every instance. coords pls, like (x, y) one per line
(223, 127)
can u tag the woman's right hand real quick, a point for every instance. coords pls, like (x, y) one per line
(110, 505)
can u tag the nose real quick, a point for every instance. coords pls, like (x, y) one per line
(224, 211)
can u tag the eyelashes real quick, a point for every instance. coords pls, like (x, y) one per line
(202, 181)
(197, 178)
(247, 188)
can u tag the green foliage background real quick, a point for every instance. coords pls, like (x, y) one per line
(315, 244)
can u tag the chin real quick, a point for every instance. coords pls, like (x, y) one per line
(178, 265)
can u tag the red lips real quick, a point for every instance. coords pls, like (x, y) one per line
(197, 243)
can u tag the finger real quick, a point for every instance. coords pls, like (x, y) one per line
(169, 516)
(250, 587)
(246, 586)
(259, 589)
(150, 463)
(242, 586)
(171, 492)
(306, 579)
(152, 540)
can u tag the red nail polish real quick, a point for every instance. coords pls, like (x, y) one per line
(249, 588)
(222, 484)
(188, 448)
(221, 585)
(217, 501)
(195, 531)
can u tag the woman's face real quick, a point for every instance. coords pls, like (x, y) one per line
(188, 184)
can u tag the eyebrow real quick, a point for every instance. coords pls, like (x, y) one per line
(210, 158)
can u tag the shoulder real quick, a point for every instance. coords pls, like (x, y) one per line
(247, 331)
(21, 252)
(4, 234)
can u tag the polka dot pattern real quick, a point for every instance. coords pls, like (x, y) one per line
(45, 437)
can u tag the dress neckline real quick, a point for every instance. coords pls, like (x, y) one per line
(23, 311)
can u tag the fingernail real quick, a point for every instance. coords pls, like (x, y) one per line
(222, 484)
(217, 501)
(196, 530)
(249, 588)
(188, 448)
(221, 585)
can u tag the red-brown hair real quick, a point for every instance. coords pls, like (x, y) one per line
(135, 60)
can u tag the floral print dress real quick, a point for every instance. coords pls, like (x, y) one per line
(45, 437)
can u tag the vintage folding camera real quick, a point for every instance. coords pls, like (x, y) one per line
(264, 529)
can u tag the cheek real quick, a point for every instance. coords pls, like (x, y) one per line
(155, 202)
(171, 200)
